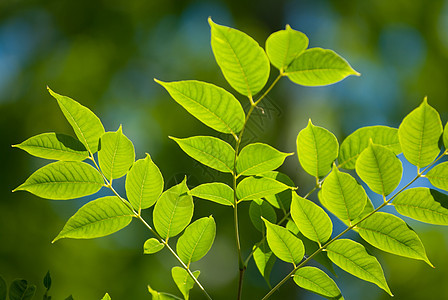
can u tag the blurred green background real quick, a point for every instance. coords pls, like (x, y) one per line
(105, 54)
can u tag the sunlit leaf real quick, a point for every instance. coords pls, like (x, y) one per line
(152, 245)
(438, 176)
(258, 158)
(317, 67)
(356, 142)
(217, 192)
(144, 183)
(353, 258)
(63, 180)
(251, 188)
(106, 297)
(316, 281)
(197, 240)
(391, 234)
(379, 168)
(264, 259)
(161, 296)
(317, 148)
(85, 123)
(210, 151)
(281, 200)
(419, 135)
(445, 137)
(242, 61)
(183, 280)
(212, 105)
(259, 208)
(97, 218)
(173, 211)
(20, 289)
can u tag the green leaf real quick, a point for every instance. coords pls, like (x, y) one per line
(264, 259)
(391, 234)
(317, 148)
(438, 176)
(3, 288)
(144, 183)
(21, 290)
(54, 146)
(212, 105)
(116, 154)
(445, 137)
(97, 218)
(317, 67)
(423, 204)
(161, 296)
(47, 281)
(284, 244)
(259, 208)
(344, 197)
(283, 46)
(63, 180)
(106, 297)
(356, 142)
(353, 258)
(217, 192)
(251, 188)
(316, 281)
(259, 158)
(183, 280)
(379, 168)
(242, 61)
(85, 123)
(210, 151)
(152, 245)
(173, 211)
(281, 200)
(419, 134)
(197, 240)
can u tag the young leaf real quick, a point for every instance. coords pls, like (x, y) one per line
(173, 211)
(259, 208)
(316, 281)
(317, 148)
(264, 259)
(317, 67)
(391, 234)
(438, 176)
(144, 183)
(152, 245)
(281, 200)
(116, 155)
(259, 158)
(47, 281)
(106, 297)
(212, 105)
(284, 244)
(379, 168)
(242, 61)
(21, 290)
(311, 219)
(217, 192)
(183, 280)
(283, 46)
(419, 135)
(353, 258)
(54, 146)
(423, 204)
(161, 296)
(251, 188)
(343, 196)
(356, 142)
(97, 218)
(63, 180)
(197, 240)
(85, 123)
(210, 151)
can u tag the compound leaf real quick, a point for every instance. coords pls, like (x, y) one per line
(356, 142)
(210, 151)
(264, 259)
(317, 67)
(353, 258)
(438, 176)
(183, 280)
(212, 105)
(379, 168)
(63, 180)
(85, 123)
(217, 192)
(316, 281)
(317, 148)
(152, 245)
(259, 208)
(21, 290)
(242, 61)
(144, 183)
(419, 134)
(391, 234)
(97, 218)
(173, 211)
(197, 240)
(251, 188)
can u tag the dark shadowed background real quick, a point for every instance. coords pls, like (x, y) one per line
(105, 55)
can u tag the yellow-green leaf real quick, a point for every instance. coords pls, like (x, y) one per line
(183, 280)
(251, 188)
(217, 192)
(152, 245)
(316, 281)
(438, 176)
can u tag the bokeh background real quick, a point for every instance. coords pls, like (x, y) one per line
(105, 54)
